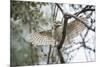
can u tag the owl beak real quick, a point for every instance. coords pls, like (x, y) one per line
(58, 24)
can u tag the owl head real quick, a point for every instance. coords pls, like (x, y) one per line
(57, 24)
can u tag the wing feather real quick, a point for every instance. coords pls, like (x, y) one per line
(38, 38)
(74, 29)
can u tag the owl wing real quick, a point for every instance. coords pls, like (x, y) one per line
(40, 38)
(74, 29)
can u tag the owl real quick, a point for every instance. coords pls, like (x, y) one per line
(52, 37)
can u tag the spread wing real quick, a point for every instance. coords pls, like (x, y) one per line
(40, 38)
(44, 38)
(74, 29)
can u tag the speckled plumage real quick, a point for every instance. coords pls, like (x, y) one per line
(74, 28)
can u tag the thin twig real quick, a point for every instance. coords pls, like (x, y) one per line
(49, 55)
(85, 9)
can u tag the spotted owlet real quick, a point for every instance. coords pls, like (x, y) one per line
(74, 28)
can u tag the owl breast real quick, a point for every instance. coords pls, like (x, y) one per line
(58, 33)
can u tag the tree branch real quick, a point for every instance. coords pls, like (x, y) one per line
(60, 8)
(84, 45)
(49, 55)
(63, 35)
(85, 9)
